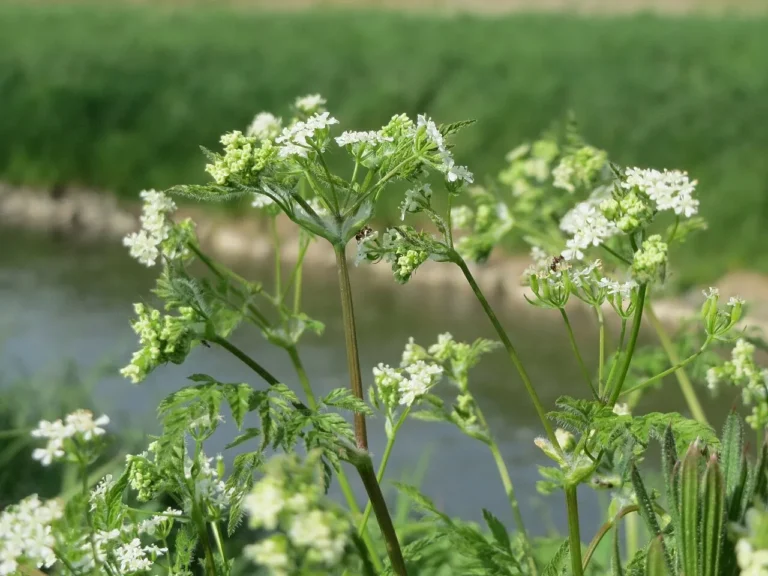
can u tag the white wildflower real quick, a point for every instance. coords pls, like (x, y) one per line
(562, 175)
(265, 126)
(311, 103)
(261, 201)
(82, 423)
(264, 504)
(588, 226)
(315, 530)
(142, 247)
(132, 557)
(621, 409)
(369, 137)
(713, 378)
(26, 534)
(271, 553)
(670, 190)
(295, 140)
(736, 301)
(442, 350)
(711, 293)
(423, 376)
(101, 489)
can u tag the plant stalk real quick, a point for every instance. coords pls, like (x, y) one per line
(574, 536)
(513, 356)
(368, 476)
(601, 354)
(604, 529)
(636, 322)
(577, 353)
(686, 387)
(350, 334)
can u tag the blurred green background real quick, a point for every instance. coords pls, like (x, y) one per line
(120, 97)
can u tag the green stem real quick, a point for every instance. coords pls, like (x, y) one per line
(613, 252)
(245, 359)
(682, 378)
(350, 335)
(577, 353)
(278, 268)
(574, 536)
(666, 372)
(346, 488)
(617, 357)
(604, 529)
(632, 535)
(383, 466)
(219, 544)
(636, 321)
(14, 433)
(511, 352)
(373, 489)
(509, 489)
(601, 354)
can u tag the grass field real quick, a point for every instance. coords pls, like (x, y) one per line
(120, 98)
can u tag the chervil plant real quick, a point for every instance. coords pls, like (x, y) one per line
(174, 509)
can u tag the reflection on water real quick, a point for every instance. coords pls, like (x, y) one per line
(72, 299)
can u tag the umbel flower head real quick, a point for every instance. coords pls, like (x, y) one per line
(26, 534)
(312, 534)
(158, 235)
(67, 438)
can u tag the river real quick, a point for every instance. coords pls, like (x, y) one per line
(65, 298)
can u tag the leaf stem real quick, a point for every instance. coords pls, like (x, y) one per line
(682, 378)
(601, 353)
(636, 321)
(220, 544)
(577, 353)
(350, 335)
(278, 268)
(604, 529)
(574, 536)
(245, 359)
(666, 372)
(513, 356)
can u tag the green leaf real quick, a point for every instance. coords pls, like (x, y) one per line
(558, 561)
(689, 510)
(498, 530)
(244, 437)
(453, 127)
(239, 399)
(422, 502)
(344, 399)
(114, 497)
(647, 511)
(713, 521)
(732, 458)
(655, 560)
(668, 463)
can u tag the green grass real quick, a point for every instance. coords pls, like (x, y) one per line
(120, 98)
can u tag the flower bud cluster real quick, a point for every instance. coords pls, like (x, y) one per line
(243, 159)
(453, 172)
(529, 167)
(650, 260)
(405, 385)
(162, 338)
(579, 169)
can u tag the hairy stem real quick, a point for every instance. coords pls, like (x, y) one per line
(682, 378)
(577, 353)
(350, 334)
(511, 352)
(368, 476)
(636, 321)
(574, 536)
(220, 544)
(604, 529)
(666, 372)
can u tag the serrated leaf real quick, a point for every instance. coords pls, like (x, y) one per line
(421, 501)
(732, 457)
(244, 437)
(558, 561)
(668, 463)
(498, 530)
(344, 399)
(646, 510)
(239, 399)
(453, 127)
(114, 497)
(713, 521)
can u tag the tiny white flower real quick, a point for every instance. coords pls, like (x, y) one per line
(261, 201)
(736, 301)
(310, 103)
(82, 422)
(52, 451)
(265, 126)
(132, 557)
(711, 293)
(621, 409)
(264, 504)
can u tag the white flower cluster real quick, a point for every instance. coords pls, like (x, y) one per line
(370, 137)
(26, 537)
(265, 126)
(613, 287)
(587, 226)
(405, 385)
(144, 245)
(208, 484)
(742, 371)
(294, 140)
(310, 103)
(133, 557)
(290, 499)
(752, 549)
(670, 190)
(453, 172)
(79, 424)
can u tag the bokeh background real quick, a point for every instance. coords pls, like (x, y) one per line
(117, 96)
